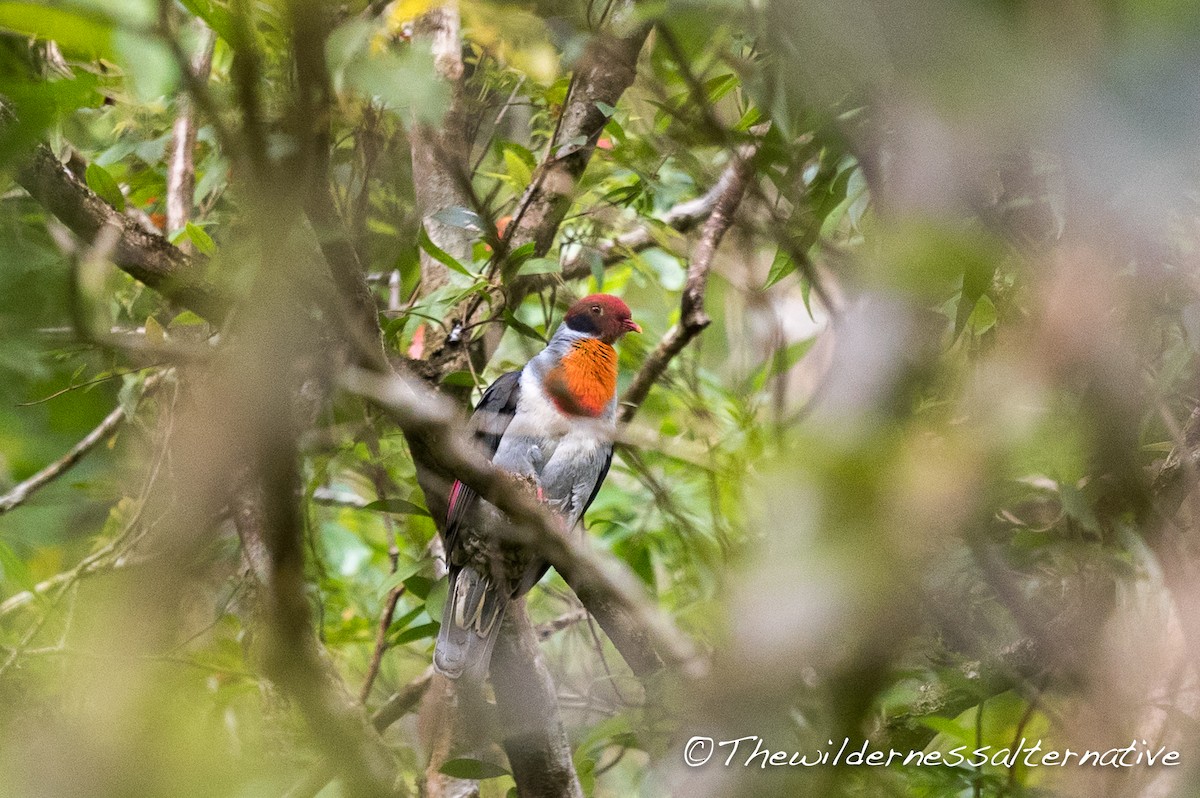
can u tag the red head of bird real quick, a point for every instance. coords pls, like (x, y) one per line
(602, 315)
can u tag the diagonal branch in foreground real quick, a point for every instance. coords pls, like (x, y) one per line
(606, 69)
(692, 316)
(435, 432)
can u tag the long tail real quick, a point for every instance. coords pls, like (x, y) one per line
(470, 621)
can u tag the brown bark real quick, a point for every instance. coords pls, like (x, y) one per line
(146, 257)
(181, 166)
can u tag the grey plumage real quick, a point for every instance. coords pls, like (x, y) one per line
(520, 429)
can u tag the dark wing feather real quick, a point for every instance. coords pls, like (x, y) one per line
(599, 482)
(491, 418)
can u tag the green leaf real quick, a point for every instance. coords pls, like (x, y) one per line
(101, 182)
(977, 279)
(540, 266)
(783, 361)
(155, 334)
(748, 120)
(718, 87)
(517, 258)
(462, 218)
(419, 585)
(524, 329)
(405, 83)
(1076, 505)
(213, 15)
(202, 240)
(516, 167)
(983, 317)
(948, 728)
(14, 568)
(187, 319)
(781, 267)
(149, 65)
(88, 37)
(459, 379)
(397, 506)
(473, 769)
(441, 256)
(596, 264)
(425, 630)
(400, 624)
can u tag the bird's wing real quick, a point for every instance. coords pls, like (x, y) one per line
(491, 418)
(583, 485)
(599, 481)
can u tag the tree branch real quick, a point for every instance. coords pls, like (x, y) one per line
(403, 702)
(27, 488)
(681, 218)
(102, 432)
(439, 156)
(692, 316)
(181, 166)
(606, 69)
(381, 644)
(146, 257)
(537, 747)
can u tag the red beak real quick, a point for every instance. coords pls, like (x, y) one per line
(632, 326)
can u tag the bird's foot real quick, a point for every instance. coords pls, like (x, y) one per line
(533, 486)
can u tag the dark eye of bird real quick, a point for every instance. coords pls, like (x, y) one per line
(597, 310)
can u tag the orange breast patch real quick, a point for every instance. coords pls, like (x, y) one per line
(585, 380)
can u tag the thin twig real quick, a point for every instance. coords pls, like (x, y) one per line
(102, 432)
(692, 316)
(380, 477)
(547, 630)
(681, 218)
(89, 383)
(499, 118)
(381, 644)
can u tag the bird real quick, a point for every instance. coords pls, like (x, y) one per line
(551, 424)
